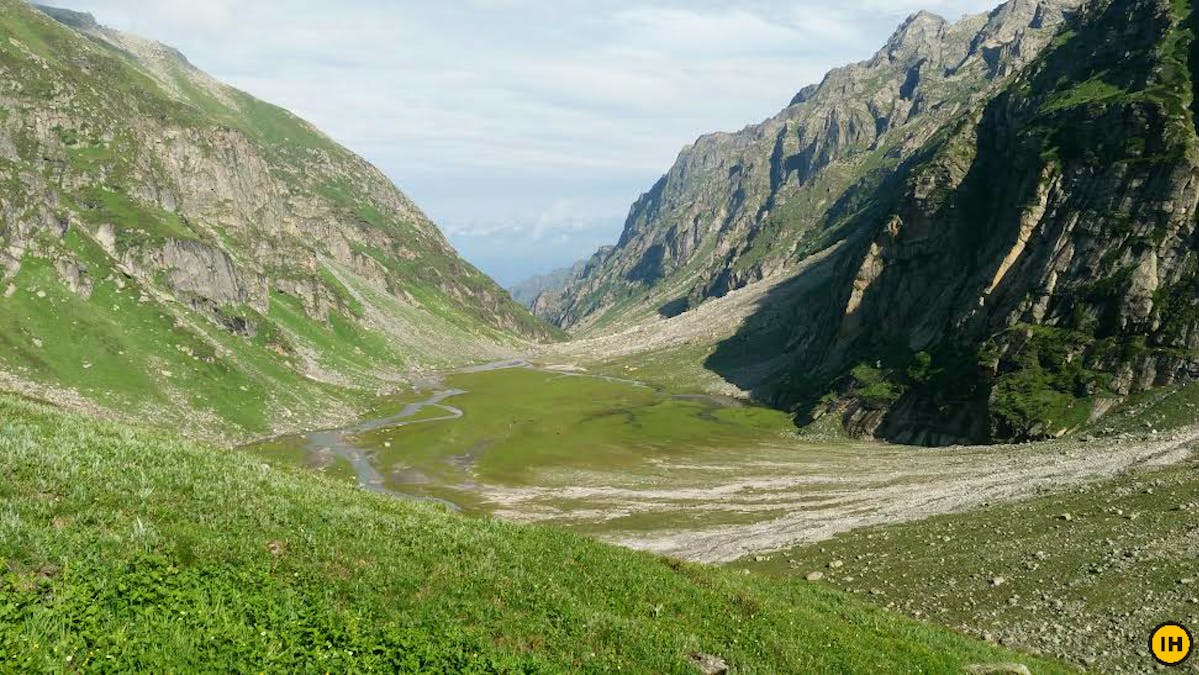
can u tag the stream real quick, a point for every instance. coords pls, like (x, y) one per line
(340, 442)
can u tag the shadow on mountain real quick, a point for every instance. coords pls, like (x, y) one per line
(797, 321)
(760, 357)
(674, 308)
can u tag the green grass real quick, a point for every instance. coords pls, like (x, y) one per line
(290, 451)
(1090, 588)
(124, 550)
(391, 404)
(1094, 91)
(116, 350)
(135, 222)
(341, 344)
(679, 369)
(421, 277)
(279, 129)
(116, 105)
(519, 421)
(343, 294)
(1163, 409)
(141, 357)
(1047, 389)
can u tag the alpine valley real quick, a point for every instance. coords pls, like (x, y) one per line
(902, 379)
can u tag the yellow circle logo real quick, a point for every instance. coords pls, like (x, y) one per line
(1171, 644)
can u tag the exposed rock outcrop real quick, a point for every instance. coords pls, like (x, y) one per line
(1037, 255)
(177, 174)
(198, 230)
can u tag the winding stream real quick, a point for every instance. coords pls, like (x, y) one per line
(338, 441)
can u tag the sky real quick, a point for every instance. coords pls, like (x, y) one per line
(524, 128)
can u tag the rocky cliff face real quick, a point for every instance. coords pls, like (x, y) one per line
(124, 165)
(1034, 261)
(738, 207)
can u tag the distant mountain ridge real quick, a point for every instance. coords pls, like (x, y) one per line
(530, 290)
(232, 256)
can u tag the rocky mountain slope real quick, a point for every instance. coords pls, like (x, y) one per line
(1009, 268)
(738, 207)
(1033, 263)
(170, 243)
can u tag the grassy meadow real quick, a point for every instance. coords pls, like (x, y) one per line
(519, 420)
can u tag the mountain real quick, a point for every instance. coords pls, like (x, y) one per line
(528, 291)
(1032, 264)
(171, 246)
(739, 207)
(1007, 254)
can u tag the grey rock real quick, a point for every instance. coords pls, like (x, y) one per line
(708, 664)
(75, 277)
(997, 669)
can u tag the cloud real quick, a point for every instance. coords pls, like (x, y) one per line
(567, 216)
(208, 14)
(525, 127)
(564, 216)
(687, 31)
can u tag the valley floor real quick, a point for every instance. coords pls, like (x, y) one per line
(1015, 544)
(1073, 548)
(693, 477)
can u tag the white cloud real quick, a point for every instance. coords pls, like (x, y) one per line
(687, 31)
(566, 216)
(207, 14)
(487, 111)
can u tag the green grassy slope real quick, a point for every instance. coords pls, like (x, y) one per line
(124, 550)
(347, 285)
(140, 356)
